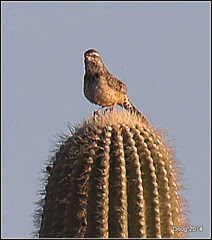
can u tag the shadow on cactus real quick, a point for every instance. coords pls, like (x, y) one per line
(113, 176)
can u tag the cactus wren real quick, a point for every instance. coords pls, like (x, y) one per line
(103, 88)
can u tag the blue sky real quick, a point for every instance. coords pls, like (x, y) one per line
(161, 50)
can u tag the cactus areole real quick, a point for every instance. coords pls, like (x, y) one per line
(113, 177)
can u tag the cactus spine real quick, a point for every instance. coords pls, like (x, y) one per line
(113, 177)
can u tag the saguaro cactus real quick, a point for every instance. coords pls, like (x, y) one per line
(113, 177)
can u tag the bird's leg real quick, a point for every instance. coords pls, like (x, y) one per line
(97, 111)
(110, 109)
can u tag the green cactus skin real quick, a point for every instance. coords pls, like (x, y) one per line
(113, 177)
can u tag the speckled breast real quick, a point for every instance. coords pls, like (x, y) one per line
(98, 92)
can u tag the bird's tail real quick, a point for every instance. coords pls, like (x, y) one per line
(130, 107)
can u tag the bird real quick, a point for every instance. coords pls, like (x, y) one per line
(101, 87)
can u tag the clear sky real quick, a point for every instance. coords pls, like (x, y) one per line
(161, 50)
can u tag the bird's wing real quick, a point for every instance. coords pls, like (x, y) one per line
(116, 84)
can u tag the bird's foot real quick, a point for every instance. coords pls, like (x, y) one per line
(109, 109)
(96, 113)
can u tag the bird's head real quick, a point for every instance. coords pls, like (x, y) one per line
(93, 61)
